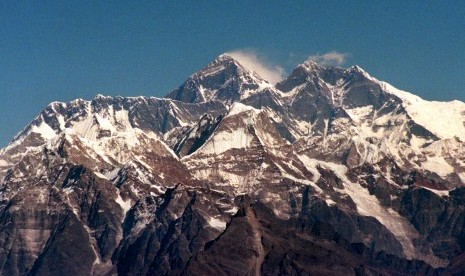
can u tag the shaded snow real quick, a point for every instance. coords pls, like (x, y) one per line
(125, 205)
(438, 192)
(359, 113)
(438, 165)
(217, 223)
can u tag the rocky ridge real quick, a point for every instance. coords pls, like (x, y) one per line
(328, 171)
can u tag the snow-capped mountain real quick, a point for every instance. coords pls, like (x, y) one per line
(225, 79)
(330, 171)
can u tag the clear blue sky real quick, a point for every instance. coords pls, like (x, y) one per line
(62, 50)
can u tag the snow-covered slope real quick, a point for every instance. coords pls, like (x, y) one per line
(444, 119)
(115, 129)
(330, 158)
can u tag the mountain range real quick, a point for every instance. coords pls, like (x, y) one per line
(329, 171)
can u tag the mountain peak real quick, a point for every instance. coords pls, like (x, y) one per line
(223, 63)
(222, 60)
(102, 97)
(360, 70)
(325, 147)
(224, 79)
(225, 57)
(304, 72)
(310, 65)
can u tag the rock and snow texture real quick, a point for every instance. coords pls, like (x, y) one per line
(224, 79)
(331, 158)
(433, 114)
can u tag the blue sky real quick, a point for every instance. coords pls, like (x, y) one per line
(62, 50)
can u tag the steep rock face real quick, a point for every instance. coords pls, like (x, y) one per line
(439, 216)
(194, 138)
(329, 172)
(309, 97)
(71, 214)
(307, 245)
(162, 234)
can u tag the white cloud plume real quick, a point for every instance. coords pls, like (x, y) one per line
(252, 61)
(332, 58)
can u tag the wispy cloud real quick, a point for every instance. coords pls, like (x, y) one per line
(332, 58)
(251, 60)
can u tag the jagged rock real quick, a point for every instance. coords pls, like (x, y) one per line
(328, 172)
